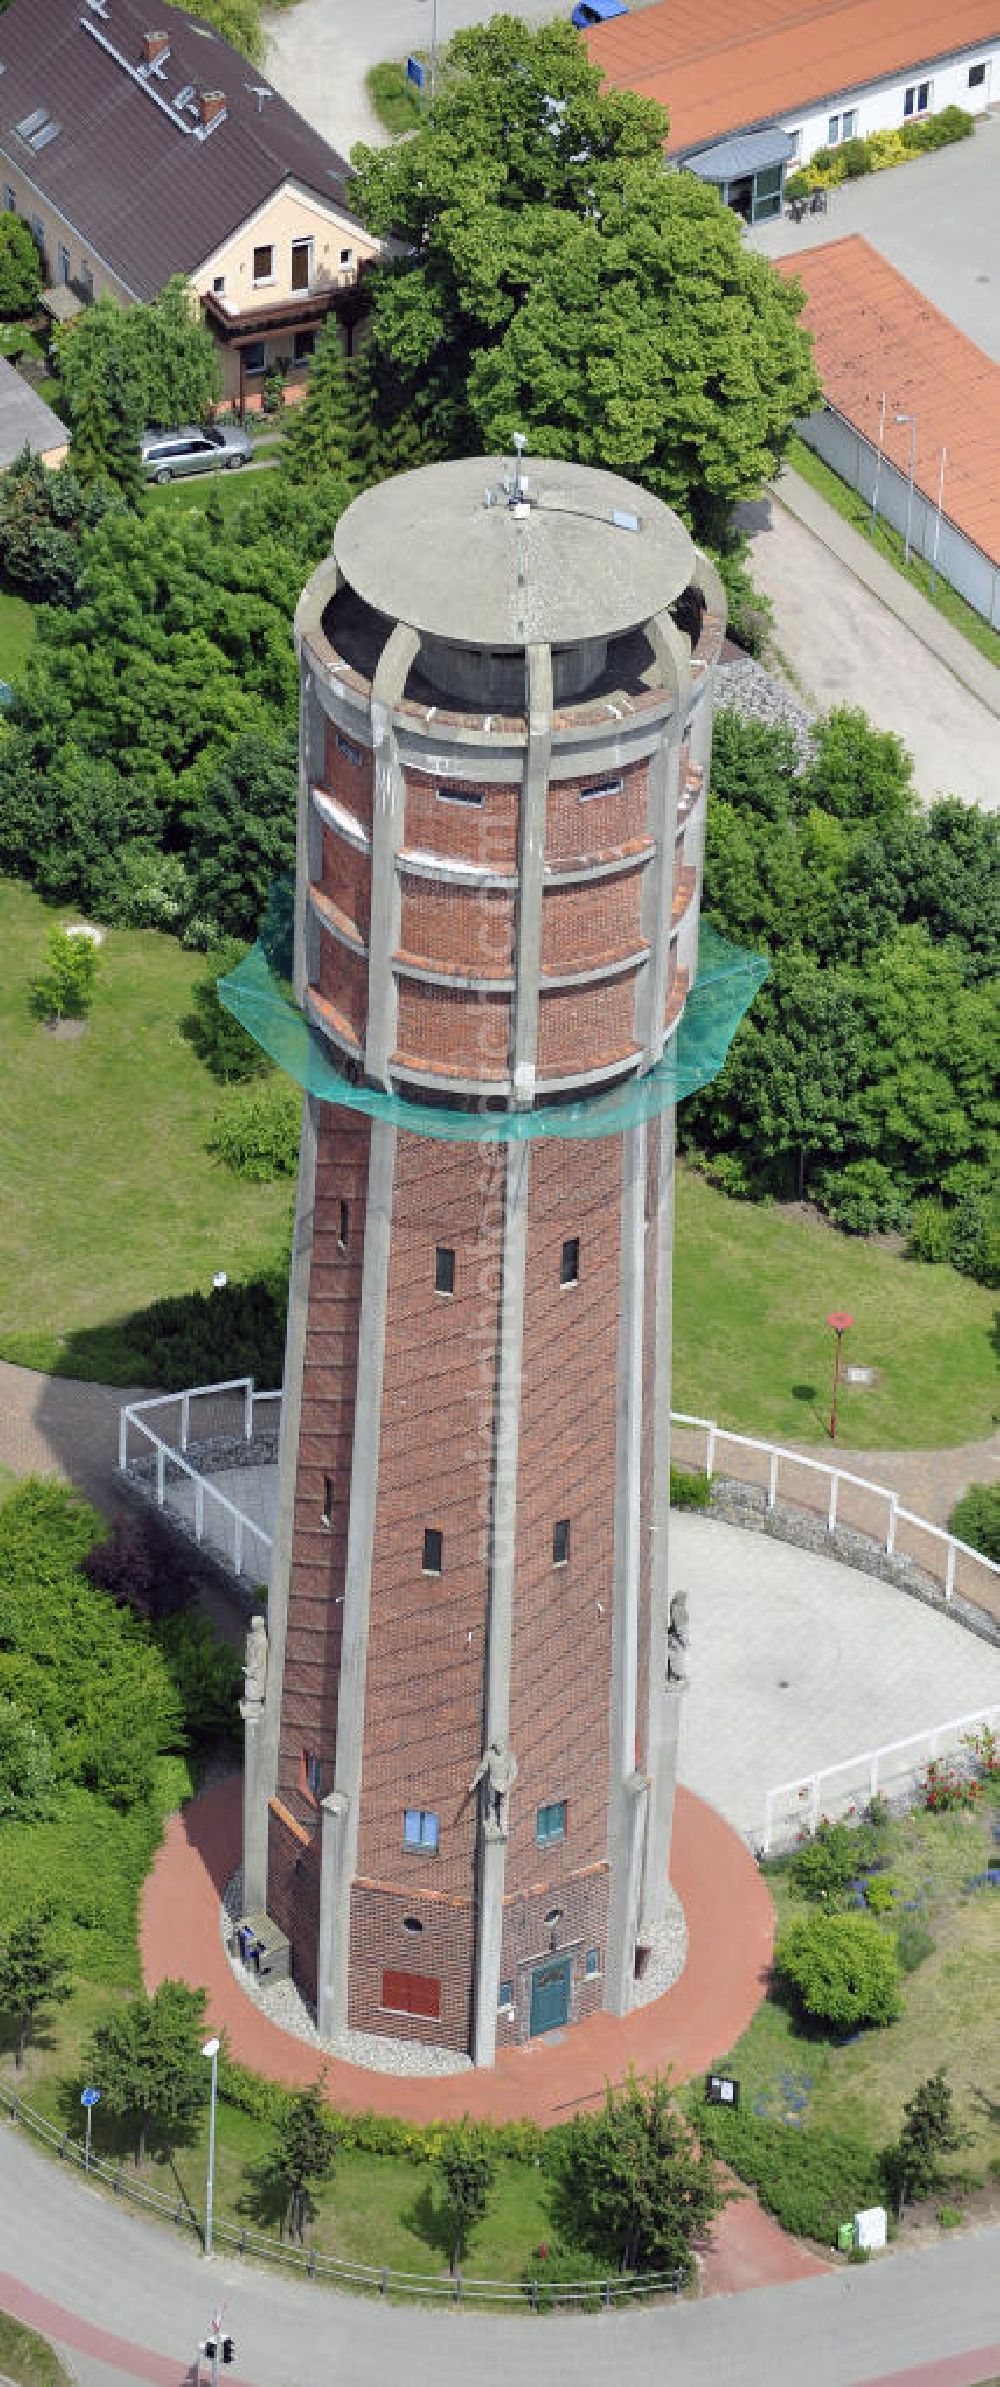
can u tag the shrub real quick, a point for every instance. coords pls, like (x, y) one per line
(949, 2217)
(21, 274)
(731, 1175)
(143, 1565)
(880, 1894)
(975, 1231)
(864, 1198)
(954, 124)
(797, 186)
(985, 1748)
(825, 1865)
(945, 1790)
(218, 1039)
(914, 1942)
(842, 1970)
(142, 888)
(930, 1232)
(27, 1769)
(885, 149)
(551, 2267)
(257, 1132)
(64, 988)
(196, 1338)
(856, 159)
(689, 1490)
(807, 2178)
(207, 1674)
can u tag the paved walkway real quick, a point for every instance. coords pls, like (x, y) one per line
(730, 1930)
(848, 637)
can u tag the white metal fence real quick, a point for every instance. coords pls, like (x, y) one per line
(892, 1772)
(225, 1413)
(958, 559)
(844, 1499)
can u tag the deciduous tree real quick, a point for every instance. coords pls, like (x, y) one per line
(33, 1975)
(555, 279)
(146, 2059)
(305, 2153)
(633, 2186)
(468, 2170)
(21, 275)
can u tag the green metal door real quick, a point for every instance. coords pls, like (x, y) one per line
(550, 1996)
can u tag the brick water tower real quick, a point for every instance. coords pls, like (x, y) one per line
(460, 1774)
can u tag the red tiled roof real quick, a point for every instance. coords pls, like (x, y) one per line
(875, 334)
(716, 75)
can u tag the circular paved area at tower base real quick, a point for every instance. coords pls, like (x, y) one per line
(730, 1936)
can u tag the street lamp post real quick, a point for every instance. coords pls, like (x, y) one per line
(912, 420)
(840, 1320)
(211, 2049)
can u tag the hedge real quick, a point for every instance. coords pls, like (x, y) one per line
(810, 2179)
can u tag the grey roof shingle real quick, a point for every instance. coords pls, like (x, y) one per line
(146, 197)
(25, 420)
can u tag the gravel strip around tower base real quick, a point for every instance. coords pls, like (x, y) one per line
(667, 1944)
(285, 2006)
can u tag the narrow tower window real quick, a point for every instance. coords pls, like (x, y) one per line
(550, 1822)
(444, 1269)
(560, 1542)
(420, 1829)
(569, 1265)
(433, 1557)
(312, 1774)
(326, 1515)
(343, 1226)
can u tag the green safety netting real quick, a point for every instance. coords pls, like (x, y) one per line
(259, 996)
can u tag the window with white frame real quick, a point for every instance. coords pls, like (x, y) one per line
(842, 128)
(917, 99)
(795, 138)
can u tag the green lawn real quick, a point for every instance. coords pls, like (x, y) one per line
(397, 103)
(17, 629)
(28, 2358)
(753, 1287)
(949, 2005)
(109, 1198)
(888, 542)
(193, 492)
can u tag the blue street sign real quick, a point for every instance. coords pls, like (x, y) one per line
(90, 2096)
(415, 73)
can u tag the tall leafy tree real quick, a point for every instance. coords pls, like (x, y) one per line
(632, 2185)
(123, 367)
(552, 277)
(146, 2059)
(43, 516)
(33, 1975)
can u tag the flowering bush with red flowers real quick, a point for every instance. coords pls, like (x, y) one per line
(944, 1789)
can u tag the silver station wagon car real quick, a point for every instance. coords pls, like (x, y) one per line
(194, 448)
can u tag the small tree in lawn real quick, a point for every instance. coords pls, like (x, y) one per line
(632, 2185)
(912, 2164)
(305, 2153)
(64, 988)
(148, 2063)
(467, 2171)
(32, 1976)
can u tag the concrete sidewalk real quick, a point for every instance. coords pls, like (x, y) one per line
(873, 570)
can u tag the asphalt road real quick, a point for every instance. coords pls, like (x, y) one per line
(107, 2271)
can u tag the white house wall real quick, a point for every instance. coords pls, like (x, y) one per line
(880, 105)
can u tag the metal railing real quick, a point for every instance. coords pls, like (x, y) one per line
(235, 1404)
(793, 1809)
(370, 2278)
(853, 1501)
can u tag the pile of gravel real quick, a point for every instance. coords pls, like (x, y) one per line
(284, 2005)
(747, 689)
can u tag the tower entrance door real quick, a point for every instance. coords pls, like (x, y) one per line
(550, 1996)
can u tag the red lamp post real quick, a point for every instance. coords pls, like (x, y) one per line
(840, 1320)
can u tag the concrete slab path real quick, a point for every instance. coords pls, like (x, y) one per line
(851, 631)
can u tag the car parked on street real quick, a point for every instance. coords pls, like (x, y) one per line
(206, 447)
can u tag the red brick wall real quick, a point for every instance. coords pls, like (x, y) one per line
(586, 1027)
(485, 832)
(343, 979)
(347, 878)
(457, 925)
(438, 1028)
(443, 1950)
(561, 1656)
(293, 1893)
(315, 1600)
(527, 1940)
(582, 925)
(350, 782)
(603, 825)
